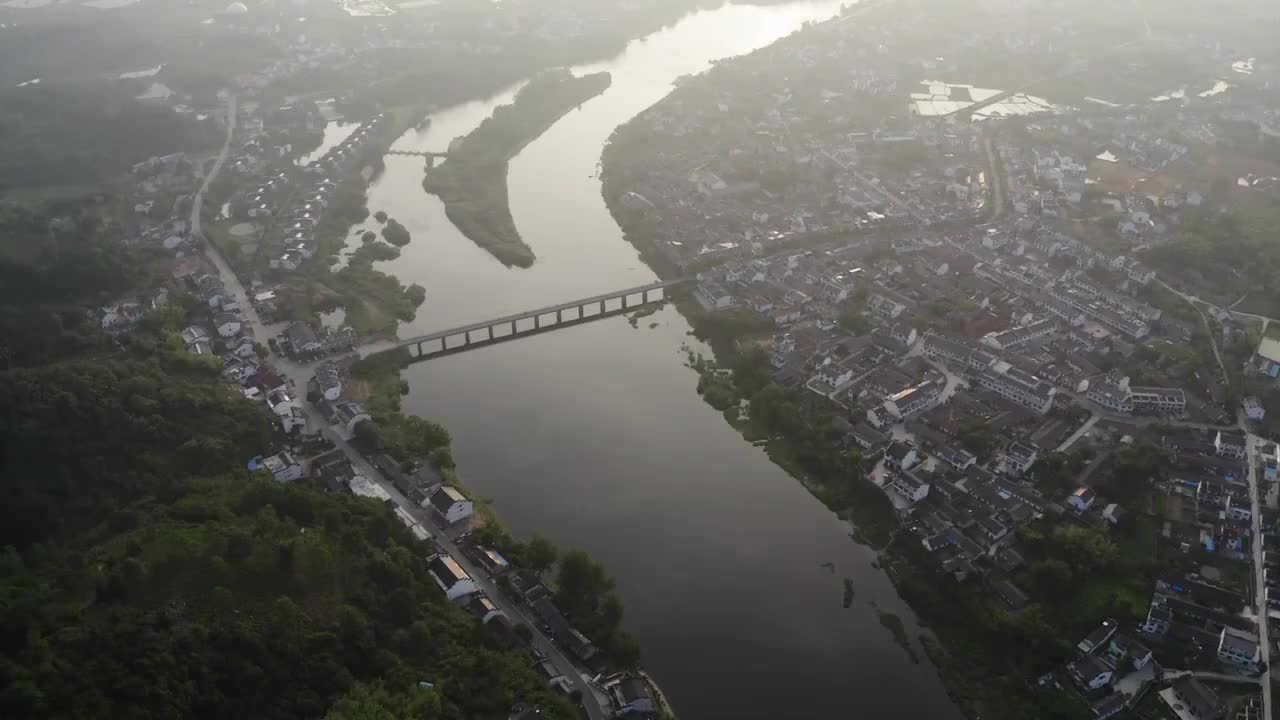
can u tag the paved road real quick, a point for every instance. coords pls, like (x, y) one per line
(1079, 433)
(300, 373)
(597, 709)
(1217, 677)
(211, 251)
(1260, 585)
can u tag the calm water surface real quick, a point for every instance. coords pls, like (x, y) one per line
(732, 573)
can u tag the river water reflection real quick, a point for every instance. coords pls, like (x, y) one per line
(731, 572)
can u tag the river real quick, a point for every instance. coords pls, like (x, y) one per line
(731, 572)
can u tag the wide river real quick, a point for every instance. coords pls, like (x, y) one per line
(731, 572)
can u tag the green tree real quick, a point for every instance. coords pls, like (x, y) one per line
(539, 554)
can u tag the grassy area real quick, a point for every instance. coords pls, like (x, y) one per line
(472, 181)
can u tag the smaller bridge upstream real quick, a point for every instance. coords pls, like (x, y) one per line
(533, 322)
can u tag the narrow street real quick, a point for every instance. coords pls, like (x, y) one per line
(1260, 584)
(299, 374)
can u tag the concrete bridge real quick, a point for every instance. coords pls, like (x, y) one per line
(418, 153)
(533, 322)
(430, 156)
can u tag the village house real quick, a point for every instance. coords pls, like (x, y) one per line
(1239, 649)
(1091, 673)
(1229, 445)
(1082, 499)
(349, 414)
(282, 466)
(900, 456)
(452, 579)
(910, 486)
(451, 505)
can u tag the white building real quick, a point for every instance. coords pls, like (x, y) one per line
(1229, 445)
(1239, 649)
(909, 486)
(1013, 384)
(912, 401)
(452, 579)
(451, 505)
(1082, 499)
(282, 466)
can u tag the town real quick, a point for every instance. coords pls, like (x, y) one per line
(975, 291)
(1013, 314)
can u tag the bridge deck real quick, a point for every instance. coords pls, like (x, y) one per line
(540, 311)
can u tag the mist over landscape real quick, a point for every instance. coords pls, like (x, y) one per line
(639, 359)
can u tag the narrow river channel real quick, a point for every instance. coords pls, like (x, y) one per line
(733, 575)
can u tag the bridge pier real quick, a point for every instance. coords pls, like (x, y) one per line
(513, 327)
(644, 297)
(602, 307)
(537, 322)
(559, 316)
(490, 329)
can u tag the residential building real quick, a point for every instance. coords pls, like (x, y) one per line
(900, 456)
(1082, 499)
(957, 458)
(483, 608)
(946, 350)
(1197, 700)
(452, 579)
(349, 414)
(1253, 408)
(227, 324)
(1158, 401)
(868, 438)
(329, 381)
(712, 296)
(1020, 387)
(1099, 637)
(1091, 673)
(1239, 649)
(282, 466)
(1229, 445)
(451, 505)
(1019, 458)
(1108, 706)
(913, 401)
(1018, 337)
(910, 486)
(1125, 648)
(302, 339)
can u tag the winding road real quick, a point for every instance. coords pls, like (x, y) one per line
(594, 700)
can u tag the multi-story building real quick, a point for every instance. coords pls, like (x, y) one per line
(912, 401)
(1013, 384)
(1017, 337)
(946, 350)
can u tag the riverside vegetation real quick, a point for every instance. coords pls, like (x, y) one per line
(472, 181)
(146, 572)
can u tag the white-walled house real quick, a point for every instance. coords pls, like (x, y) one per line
(1091, 672)
(1082, 499)
(452, 579)
(451, 505)
(282, 466)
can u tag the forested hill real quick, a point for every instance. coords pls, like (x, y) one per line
(146, 575)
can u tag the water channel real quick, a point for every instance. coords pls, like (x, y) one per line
(731, 572)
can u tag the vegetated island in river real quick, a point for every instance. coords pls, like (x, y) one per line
(472, 181)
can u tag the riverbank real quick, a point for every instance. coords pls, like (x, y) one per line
(472, 181)
(584, 591)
